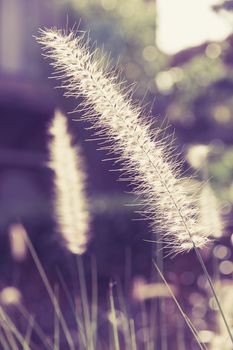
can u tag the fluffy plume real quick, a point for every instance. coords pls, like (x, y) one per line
(146, 159)
(70, 200)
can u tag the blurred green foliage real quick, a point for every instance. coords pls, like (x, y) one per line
(220, 170)
(126, 29)
(194, 93)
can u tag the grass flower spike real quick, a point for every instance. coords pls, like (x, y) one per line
(123, 130)
(70, 200)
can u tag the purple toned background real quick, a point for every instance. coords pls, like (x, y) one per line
(27, 103)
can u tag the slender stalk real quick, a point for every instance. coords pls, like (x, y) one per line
(56, 327)
(27, 338)
(145, 330)
(85, 306)
(80, 326)
(213, 291)
(186, 318)
(133, 335)
(124, 309)
(11, 331)
(114, 319)
(52, 297)
(180, 334)
(36, 327)
(3, 341)
(162, 313)
(94, 304)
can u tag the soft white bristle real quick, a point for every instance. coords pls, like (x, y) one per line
(146, 157)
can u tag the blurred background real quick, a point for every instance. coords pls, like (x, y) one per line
(180, 53)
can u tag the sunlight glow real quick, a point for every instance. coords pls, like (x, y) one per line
(18, 245)
(187, 23)
(10, 295)
(143, 290)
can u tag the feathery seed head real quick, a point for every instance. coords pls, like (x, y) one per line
(70, 200)
(145, 156)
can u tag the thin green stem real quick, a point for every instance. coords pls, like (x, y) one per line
(162, 310)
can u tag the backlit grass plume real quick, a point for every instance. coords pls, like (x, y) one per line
(69, 179)
(122, 129)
